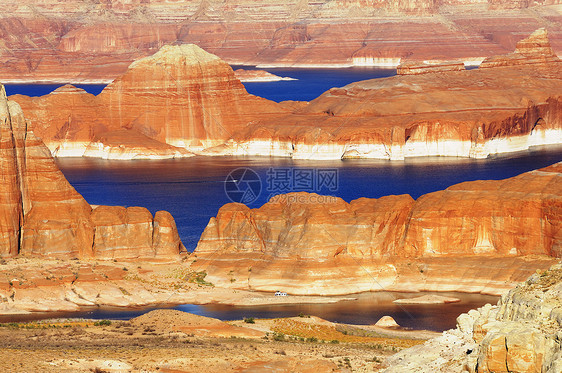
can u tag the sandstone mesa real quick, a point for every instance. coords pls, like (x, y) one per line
(480, 236)
(183, 100)
(92, 41)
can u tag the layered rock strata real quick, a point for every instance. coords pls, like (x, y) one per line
(184, 100)
(479, 236)
(181, 98)
(85, 41)
(522, 333)
(42, 215)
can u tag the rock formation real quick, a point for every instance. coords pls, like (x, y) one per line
(258, 76)
(180, 98)
(522, 333)
(310, 244)
(412, 68)
(85, 41)
(42, 215)
(530, 51)
(184, 100)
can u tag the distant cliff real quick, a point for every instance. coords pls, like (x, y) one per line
(86, 41)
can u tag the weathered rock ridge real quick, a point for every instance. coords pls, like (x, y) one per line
(85, 41)
(183, 100)
(522, 333)
(42, 215)
(479, 236)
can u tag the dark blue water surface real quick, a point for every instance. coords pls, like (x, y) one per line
(193, 189)
(35, 90)
(311, 83)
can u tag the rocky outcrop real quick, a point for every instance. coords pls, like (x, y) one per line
(183, 97)
(258, 76)
(306, 243)
(472, 113)
(42, 215)
(126, 144)
(522, 333)
(412, 68)
(530, 51)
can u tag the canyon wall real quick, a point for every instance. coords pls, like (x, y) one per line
(87, 41)
(522, 333)
(479, 236)
(42, 215)
(183, 100)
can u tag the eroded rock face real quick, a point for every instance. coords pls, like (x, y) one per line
(302, 238)
(522, 333)
(42, 215)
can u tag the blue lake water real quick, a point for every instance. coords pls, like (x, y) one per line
(35, 90)
(310, 83)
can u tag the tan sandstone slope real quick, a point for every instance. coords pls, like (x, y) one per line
(184, 99)
(480, 236)
(522, 333)
(42, 215)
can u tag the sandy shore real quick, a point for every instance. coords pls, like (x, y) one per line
(35, 285)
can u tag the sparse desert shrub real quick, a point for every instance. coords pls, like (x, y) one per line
(199, 278)
(102, 323)
(249, 320)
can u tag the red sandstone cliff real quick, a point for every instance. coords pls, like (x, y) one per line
(306, 243)
(42, 215)
(77, 41)
(183, 99)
